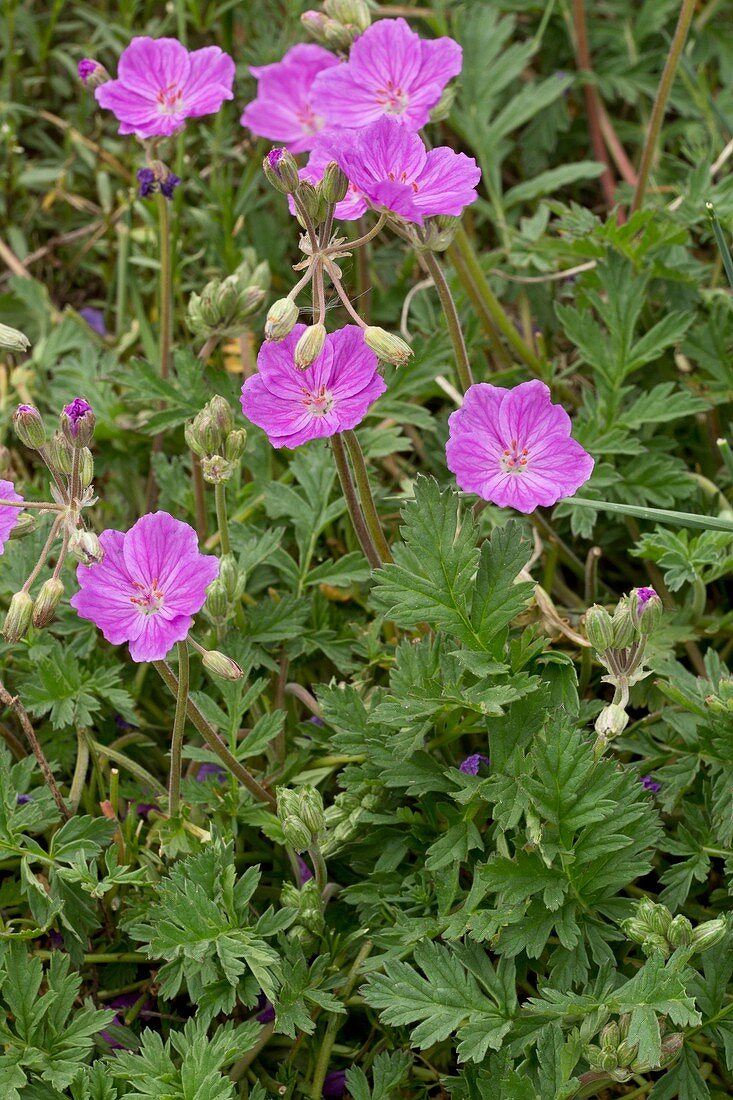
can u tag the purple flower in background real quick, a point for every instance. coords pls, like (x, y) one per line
(471, 765)
(169, 184)
(121, 1004)
(334, 393)
(650, 784)
(391, 71)
(334, 1084)
(77, 413)
(160, 84)
(392, 168)
(142, 809)
(146, 182)
(22, 799)
(513, 447)
(151, 583)
(210, 771)
(283, 110)
(8, 514)
(304, 871)
(95, 319)
(266, 1012)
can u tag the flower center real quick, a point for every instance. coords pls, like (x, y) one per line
(392, 98)
(402, 179)
(170, 99)
(309, 121)
(513, 460)
(320, 403)
(150, 598)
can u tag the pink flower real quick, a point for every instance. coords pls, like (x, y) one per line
(160, 84)
(393, 170)
(390, 71)
(152, 581)
(8, 514)
(331, 395)
(513, 447)
(283, 110)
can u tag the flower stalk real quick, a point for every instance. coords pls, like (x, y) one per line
(179, 724)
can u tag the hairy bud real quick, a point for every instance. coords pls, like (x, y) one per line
(18, 618)
(679, 932)
(25, 524)
(353, 13)
(296, 833)
(47, 601)
(624, 631)
(309, 346)
(599, 628)
(281, 318)
(77, 422)
(59, 454)
(221, 666)
(311, 809)
(709, 933)
(86, 548)
(13, 339)
(334, 184)
(387, 346)
(646, 609)
(612, 720)
(444, 106)
(29, 426)
(281, 171)
(235, 445)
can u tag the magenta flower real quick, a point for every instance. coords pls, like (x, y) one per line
(331, 395)
(649, 783)
(392, 168)
(513, 447)
(77, 414)
(160, 84)
(152, 581)
(283, 110)
(391, 71)
(8, 514)
(471, 765)
(643, 596)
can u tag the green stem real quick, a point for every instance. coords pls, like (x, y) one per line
(80, 770)
(166, 285)
(369, 508)
(199, 496)
(319, 866)
(129, 765)
(347, 485)
(334, 1023)
(452, 319)
(179, 724)
(215, 742)
(463, 246)
(687, 11)
(220, 497)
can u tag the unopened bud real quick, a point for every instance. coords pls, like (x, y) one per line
(281, 171)
(709, 933)
(311, 201)
(59, 454)
(86, 548)
(612, 720)
(658, 918)
(646, 609)
(314, 23)
(626, 1052)
(679, 932)
(229, 575)
(610, 1036)
(309, 346)
(281, 318)
(655, 944)
(624, 631)
(91, 73)
(24, 525)
(47, 601)
(235, 445)
(334, 184)
(77, 422)
(599, 628)
(288, 802)
(438, 232)
(13, 339)
(387, 346)
(311, 809)
(221, 666)
(217, 605)
(18, 618)
(29, 426)
(296, 833)
(86, 467)
(354, 13)
(444, 106)
(221, 414)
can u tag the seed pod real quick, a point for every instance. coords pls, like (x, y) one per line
(599, 628)
(47, 601)
(29, 426)
(309, 346)
(18, 618)
(221, 666)
(281, 318)
(387, 346)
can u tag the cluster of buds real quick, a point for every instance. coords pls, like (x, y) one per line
(620, 642)
(656, 930)
(721, 703)
(224, 593)
(346, 817)
(156, 177)
(340, 22)
(309, 923)
(615, 1055)
(69, 460)
(211, 436)
(302, 817)
(224, 306)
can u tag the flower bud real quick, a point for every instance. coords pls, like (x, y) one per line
(314, 23)
(387, 346)
(334, 184)
(354, 13)
(281, 171)
(679, 932)
(281, 317)
(296, 833)
(221, 414)
(59, 454)
(77, 422)
(624, 631)
(18, 618)
(635, 929)
(709, 933)
(47, 601)
(229, 575)
(309, 346)
(311, 809)
(29, 426)
(336, 36)
(599, 628)
(86, 467)
(13, 339)
(254, 272)
(438, 232)
(91, 73)
(235, 444)
(288, 802)
(658, 918)
(311, 202)
(224, 668)
(612, 720)
(654, 943)
(86, 548)
(626, 1052)
(646, 609)
(444, 106)
(610, 1036)
(217, 605)
(25, 524)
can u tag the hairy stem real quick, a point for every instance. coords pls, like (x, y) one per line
(166, 286)
(592, 101)
(369, 508)
(179, 724)
(347, 485)
(452, 319)
(222, 518)
(687, 11)
(15, 704)
(80, 769)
